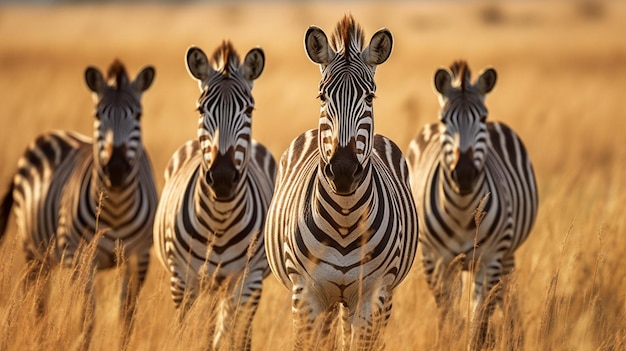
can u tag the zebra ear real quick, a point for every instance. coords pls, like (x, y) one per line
(443, 81)
(316, 45)
(94, 79)
(253, 64)
(380, 48)
(486, 81)
(197, 63)
(144, 79)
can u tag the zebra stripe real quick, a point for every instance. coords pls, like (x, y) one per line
(342, 226)
(68, 190)
(456, 163)
(210, 220)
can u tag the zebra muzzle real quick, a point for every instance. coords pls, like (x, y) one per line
(118, 167)
(344, 172)
(464, 173)
(222, 177)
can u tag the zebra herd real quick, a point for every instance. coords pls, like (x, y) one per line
(336, 221)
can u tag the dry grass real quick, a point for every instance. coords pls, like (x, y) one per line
(562, 73)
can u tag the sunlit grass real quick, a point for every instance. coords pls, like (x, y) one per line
(561, 68)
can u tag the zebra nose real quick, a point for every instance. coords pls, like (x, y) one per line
(118, 166)
(214, 177)
(464, 172)
(344, 172)
(223, 177)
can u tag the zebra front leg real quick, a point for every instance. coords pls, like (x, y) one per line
(513, 331)
(444, 279)
(487, 291)
(83, 268)
(235, 328)
(312, 319)
(182, 295)
(132, 280)
(194, 301)
(35, 282)
(369, 319)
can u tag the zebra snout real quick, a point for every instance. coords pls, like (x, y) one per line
(118, 167)
(464, 172)
(222, 177)
(344, 172)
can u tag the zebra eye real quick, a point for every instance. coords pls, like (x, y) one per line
(369, 98)
(138, 115)
(483, 118)
(249, 110)
(97, 115)
(322, 97)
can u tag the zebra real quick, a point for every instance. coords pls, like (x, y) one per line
(211, 215)
(70, 190)
(342, 228)
(464, 168)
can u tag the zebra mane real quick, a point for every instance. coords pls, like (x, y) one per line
(117, 74)
(461, 74)
(225, 59)
(348, 33)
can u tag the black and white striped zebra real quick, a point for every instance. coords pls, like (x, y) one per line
(69, 190)
(211, 216)
(342, 228)
(454, 164)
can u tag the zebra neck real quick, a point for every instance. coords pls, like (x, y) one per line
(460, 206)
(347, 210)
(216, 214)
(113, 205)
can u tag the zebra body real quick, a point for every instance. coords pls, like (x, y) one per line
(69, 190)
(59, 200)
(459, 165)
(210, 220)
(342, 226)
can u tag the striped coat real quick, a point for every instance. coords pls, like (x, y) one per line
(342, 226)
(69, 190)
(210, 220)
(462, 165)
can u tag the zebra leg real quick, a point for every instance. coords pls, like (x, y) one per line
(487, 291)
(35, 282)
(132, 281)
(513, 332)
(312, 319)
(83, 268)
(37, 273)
(444, 279)
(182, 295)
(235, 328)
(369, 320)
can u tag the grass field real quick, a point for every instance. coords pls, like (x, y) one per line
(561, 83)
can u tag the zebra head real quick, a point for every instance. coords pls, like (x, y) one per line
(346, 92)
(463, 116)
(117, 128)
(225, 107)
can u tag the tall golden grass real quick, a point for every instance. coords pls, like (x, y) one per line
(562, 73)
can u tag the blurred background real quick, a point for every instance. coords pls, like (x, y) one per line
(561, 81)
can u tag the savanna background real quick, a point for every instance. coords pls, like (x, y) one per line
(561, 84)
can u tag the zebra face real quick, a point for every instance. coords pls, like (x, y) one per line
(117, 129)
(347, 90)
(464, 136)
(225, 108)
